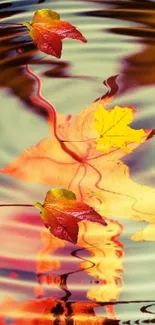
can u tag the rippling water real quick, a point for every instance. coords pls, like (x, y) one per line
(121, 41)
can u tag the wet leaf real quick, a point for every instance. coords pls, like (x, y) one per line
(61, 214)
(113, 129)
(48, 31)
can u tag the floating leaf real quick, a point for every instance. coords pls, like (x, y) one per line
(48, 31)
(113, 129)
(61, 214)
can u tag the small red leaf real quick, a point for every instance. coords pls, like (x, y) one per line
(68, 230)
(66, 30)
(49, 43)
(61, 214)
(47, 32)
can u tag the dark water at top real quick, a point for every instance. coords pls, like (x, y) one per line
(121, 41)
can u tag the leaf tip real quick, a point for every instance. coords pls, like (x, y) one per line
(84, 40)
(58, 55)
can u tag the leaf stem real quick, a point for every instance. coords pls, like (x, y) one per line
(17, 205)
(12, 24)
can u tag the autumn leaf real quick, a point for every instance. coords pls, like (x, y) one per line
(48, 31)
(113, 129)
(68, 158)
(61, 214)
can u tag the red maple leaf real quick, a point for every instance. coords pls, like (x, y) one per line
(61, 213)
(47, 32)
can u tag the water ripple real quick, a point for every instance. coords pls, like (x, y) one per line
(120, 41)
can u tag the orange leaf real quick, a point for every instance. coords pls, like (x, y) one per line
(47, 31)
(61, 214)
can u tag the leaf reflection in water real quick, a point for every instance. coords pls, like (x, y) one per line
(49, 311)
(107, 255)
(105, 264)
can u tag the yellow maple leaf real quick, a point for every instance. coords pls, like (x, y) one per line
(113, 128)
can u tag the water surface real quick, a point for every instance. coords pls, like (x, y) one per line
(121, 41)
